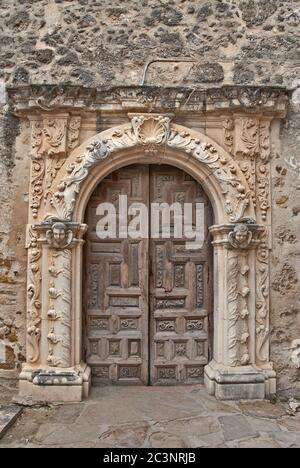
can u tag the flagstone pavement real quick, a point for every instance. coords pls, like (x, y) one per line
(155, 417)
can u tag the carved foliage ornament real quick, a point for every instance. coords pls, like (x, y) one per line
(51, 139)
(34, 297)
(253, 138)
(151, 132)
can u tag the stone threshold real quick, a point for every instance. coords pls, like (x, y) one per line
(8, 416)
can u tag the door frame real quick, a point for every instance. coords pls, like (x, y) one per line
(149, 340)
(241, 367)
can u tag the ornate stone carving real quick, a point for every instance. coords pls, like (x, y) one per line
(73, 132)
(238, 312)
(262, 300)
(237, 196)
(240, 237)
(228, 133)
(37, 167)
(33, 294)
(47, 98)
(59, 236)
(264, 141)
(151, 130)
(52, 360)
(55, 133)
(248, 138)
(263, 189)
(59, 292)
(51, 243)
(248, 169)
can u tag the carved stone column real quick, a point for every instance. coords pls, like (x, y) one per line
(53, 371)
(233, 373)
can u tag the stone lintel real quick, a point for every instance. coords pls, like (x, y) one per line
(268, 100)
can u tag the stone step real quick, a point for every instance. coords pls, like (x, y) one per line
(8, 415)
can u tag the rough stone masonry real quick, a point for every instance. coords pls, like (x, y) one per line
(106, 43)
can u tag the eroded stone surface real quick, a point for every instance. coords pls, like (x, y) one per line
(8, 415)
(236, 427)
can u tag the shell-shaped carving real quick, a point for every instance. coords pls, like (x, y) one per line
(151, 130)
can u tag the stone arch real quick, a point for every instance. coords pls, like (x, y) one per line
(239, 255)
(152, 137)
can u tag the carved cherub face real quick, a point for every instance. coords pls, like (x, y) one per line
(59, 233)
(59, 236)
(241, 234)
(240, 237)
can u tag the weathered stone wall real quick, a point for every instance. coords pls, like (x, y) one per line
(98, 43)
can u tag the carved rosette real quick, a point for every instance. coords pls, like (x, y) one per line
(153, 132)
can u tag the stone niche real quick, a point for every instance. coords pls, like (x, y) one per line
(225, 139)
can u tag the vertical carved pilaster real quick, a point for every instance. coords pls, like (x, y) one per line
(238, 291)
(50, 249)
(37, 167)
(263, 196)
(61, 239)
(33, 297)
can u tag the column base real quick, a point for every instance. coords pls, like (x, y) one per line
(54, 385)
(239, 383)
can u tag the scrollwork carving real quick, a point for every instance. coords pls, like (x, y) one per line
(73, 132)
(154, 131)
(238, 311)
(262, 299)
(37, 167)
(228, 132)
(33, 294)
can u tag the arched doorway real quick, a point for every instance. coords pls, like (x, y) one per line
(147, 302)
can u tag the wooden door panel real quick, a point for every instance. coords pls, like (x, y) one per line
(180, 291)
(116, 289)
(133, 286)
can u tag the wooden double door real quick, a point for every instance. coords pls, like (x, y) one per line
(147, 301)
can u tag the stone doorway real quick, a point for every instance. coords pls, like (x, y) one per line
(147, 302)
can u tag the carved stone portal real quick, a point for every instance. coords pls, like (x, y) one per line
(69, 158)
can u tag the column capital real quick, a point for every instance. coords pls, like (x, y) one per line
(243, 235)
(58, 234)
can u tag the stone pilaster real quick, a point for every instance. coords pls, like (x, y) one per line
(53, 371)
(233, 373)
